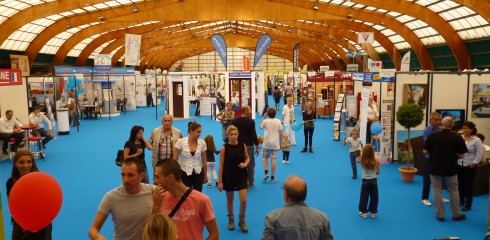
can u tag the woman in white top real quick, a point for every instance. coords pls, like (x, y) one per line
(468, 165)
(190, 152)
(288, 120)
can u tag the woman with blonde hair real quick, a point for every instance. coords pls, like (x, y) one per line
(159, 226)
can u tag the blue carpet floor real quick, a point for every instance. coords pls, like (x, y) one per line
(83, 163)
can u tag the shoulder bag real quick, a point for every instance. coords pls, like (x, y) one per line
(182, 199)
(119, 157)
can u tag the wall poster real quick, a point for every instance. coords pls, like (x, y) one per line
(480, 107)
(415, 93)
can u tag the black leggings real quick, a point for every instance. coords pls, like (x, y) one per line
(309, 136)
(195, 180)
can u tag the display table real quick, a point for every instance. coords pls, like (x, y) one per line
(90, 111)
(28, 129)
(63, 121)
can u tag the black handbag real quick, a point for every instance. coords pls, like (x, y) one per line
(120, 157)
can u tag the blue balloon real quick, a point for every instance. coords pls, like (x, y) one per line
(296, 126)
(376, 128)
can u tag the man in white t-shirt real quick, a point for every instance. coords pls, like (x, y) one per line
(129, 204)
(10, 128)
(272, 142)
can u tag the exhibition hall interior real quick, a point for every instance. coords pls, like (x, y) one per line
(406, 81)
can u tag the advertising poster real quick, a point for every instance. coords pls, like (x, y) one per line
(415, 93)
(481, 101)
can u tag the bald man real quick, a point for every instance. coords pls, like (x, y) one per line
(296, 220)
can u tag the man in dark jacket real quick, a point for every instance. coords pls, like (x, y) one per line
(445, 147)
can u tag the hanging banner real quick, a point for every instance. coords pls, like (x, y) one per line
(102, 62)
(10, 77)
(387, 75)
(352, 68)
(220, 47)
(365, 37)
(363, 116)
(296, 50)
(374, 66)
(262, 46)
(20, 62)
(132, 50)
(405, 65)
(246, 63)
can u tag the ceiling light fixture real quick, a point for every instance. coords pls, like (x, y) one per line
(316, 6)
(290, 29)
(135, 9)
(349, 15)
(68, 26)
(101, 19)
(169, 30)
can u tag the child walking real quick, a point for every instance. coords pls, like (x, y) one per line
(286, 148)
(369, 188)
(211, 165)
(355, 147)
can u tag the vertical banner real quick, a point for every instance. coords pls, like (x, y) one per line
(261, 47)
(405, 65)
(296, 57)
(246, 63)
(20, 62)
(132, 50)
(220, 47)
(364, 107)
(102, 62)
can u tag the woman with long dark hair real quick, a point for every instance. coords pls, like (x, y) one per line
(309, 118)
(135, 147)
(467, 166)
(190, 152)
(24, 163)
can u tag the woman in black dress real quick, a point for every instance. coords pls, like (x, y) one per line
(233, 175)
(135, 147)
(24, 163)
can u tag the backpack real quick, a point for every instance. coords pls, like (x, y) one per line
(72, 105)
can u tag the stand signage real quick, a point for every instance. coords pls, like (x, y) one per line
(10, 77)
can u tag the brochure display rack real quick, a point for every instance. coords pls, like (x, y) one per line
(338, 117)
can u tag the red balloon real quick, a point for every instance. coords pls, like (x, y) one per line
(35, 200)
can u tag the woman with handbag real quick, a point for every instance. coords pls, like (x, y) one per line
(309, 118)
(135, 147)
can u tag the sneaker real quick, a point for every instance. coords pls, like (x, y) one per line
(283, 161)
(273, 181)
(354, 177)
(42, 155)
(363, 215)
(426, 202)
(373, 215)
(311, 150)
(288, 162)
(208, 185)
(304, 150)
(445, 200)
(216, 183)
(440, 219)
(265, 177)
(459, 218)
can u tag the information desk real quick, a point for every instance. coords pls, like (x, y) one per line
(63, 121)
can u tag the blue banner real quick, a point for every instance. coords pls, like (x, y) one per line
(220, 47)
(67, 70)
(262, 46)
(240, 74)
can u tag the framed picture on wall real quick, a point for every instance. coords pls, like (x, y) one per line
(481, 101)
(390, 89)
(415, 93)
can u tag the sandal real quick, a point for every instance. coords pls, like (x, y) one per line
(373, 215)
(363, 215)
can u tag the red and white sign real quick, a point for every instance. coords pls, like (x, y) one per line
(365, 37)
(9, 77)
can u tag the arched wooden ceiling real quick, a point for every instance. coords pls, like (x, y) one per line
(325, 34)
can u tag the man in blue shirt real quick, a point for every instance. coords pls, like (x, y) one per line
(434, 126)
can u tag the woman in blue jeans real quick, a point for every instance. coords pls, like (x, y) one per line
(309, 118)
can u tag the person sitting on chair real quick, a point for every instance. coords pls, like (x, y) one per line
(10, 128)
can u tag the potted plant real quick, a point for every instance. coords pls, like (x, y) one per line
(409, 116)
